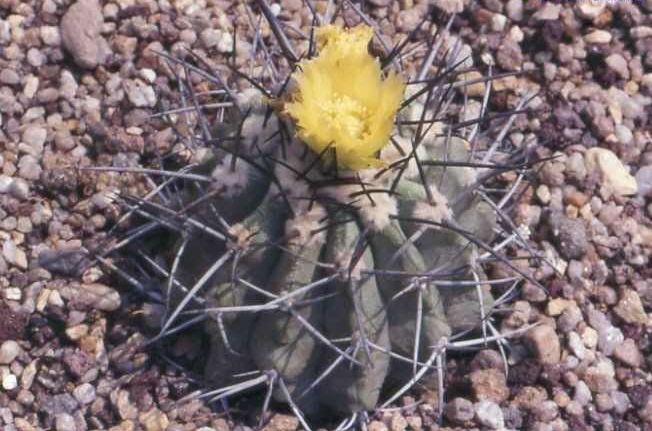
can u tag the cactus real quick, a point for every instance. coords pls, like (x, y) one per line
(332, 279)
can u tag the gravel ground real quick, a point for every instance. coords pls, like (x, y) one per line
(78, 81)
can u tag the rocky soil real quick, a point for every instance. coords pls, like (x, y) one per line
(78, 82)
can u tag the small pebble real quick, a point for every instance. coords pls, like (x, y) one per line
(620, 401)
(544, 343)
(618, 64)
(598, 36)
(624, 134)
(81, 28)
(557, 306)
(24, 397)
(9, 382)
(576, 345)
(599, 381)
(569, 319)
(590, 338)
(514, 9)
(29, 167)
(616, 179)
(489, 385)
(604, 402)
(589, 9)
(644, 181)
(569, 235)
(509, 55)
(629, 354)
(140, 94)
(459, 410)
(147, 74)
(68, 85)
(35, 57)
(14, 254)
(398, 422)
(65, 422)
(19, 189)
(546, 411)
(630, 308)
(489, 414)
(640, 32)
(8, 351)
(377, 426)
(5, 183)
(582, 393)
(35, 136)
(50, 35)
(487, 358)
(12, 294)
(210, 37)
(9, 77)
(498, 22)
(543, 193)
(29, 373)
(548, 11)
(609, 339)
(154, 420)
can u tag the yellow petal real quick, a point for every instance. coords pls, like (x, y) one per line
(342, 100)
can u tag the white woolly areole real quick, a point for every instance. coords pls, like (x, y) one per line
(437, 211)
(301, 229)
(250, 98)
(391, 154)
(375, 212)
(231, 182)
(255, 131)
(376, 215)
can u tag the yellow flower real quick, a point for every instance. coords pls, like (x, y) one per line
(341, 99)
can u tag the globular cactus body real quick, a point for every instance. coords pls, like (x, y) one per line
(381, 293)
(334, 282)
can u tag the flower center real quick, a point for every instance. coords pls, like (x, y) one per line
(347, 114)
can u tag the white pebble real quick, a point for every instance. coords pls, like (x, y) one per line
(9, 382)
(19, 188)
(140, 94)
(8, 351)
(148, 75)
(598, 36)
(640, 32)
(50, 35)
(31, 86)
(13, 294)
(84, 393)
(65, 422)
(489, 414)
(498, 22)
(516, 34)
(226, 43)
(5, 183)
